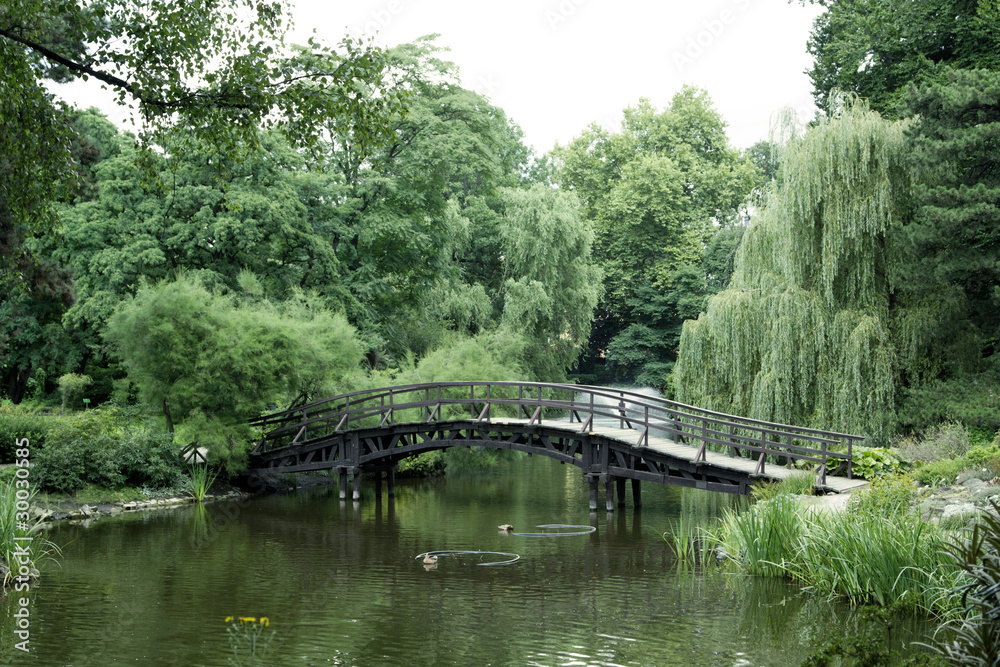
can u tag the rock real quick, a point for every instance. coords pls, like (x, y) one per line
(960, 509)
(41, 513)
(973, 483)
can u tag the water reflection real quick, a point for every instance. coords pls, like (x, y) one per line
(340, 583)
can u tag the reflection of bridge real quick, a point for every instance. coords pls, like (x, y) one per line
(610, 434)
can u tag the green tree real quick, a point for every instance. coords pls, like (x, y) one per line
(656, 192)
(211, 361)
(553, 287)
(876, 48)
(950, 273)
(416, 223)
(218, 69)
(802, 333)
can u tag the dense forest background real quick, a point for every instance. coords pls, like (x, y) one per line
(294, 222)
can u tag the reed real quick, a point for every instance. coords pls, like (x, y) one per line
(200, 479)
(872, 559)
(687, 540)
(12, 528)
(765, 537)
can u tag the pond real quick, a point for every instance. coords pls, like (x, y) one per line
(343, 583)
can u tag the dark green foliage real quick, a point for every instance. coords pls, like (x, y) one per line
(976, 639)
(110, 447)
(972, 400)
(876, 48)
(428, 464)
(950, 273)
(222, 76)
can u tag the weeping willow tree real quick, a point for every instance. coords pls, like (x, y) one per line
(802, 335)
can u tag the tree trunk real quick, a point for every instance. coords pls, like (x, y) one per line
(166, 413)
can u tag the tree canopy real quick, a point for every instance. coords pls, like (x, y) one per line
(218, 69)
(876, 48)
(657, 193)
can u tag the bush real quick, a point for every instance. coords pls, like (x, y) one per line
(888, 496)
(428, 464)
(20, 421)
(109, 447)
(981, 456)
(944, 441)
(940, 472)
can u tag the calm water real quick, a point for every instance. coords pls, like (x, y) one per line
(340, 584)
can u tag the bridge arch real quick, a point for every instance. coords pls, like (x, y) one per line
(612, 435)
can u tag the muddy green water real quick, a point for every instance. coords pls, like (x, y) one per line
(340, 584)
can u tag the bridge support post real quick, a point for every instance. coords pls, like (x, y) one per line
(378, 484)
(391, 477)
(357, 484)
(343, 484)
(620, 488)
(636, 494)
(593, 492)
(609, 494)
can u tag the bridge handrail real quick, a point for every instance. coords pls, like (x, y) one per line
(632, 408)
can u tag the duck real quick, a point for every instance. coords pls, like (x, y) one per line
(430, 560)
(506, 527)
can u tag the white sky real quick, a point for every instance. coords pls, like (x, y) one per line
(555, 66)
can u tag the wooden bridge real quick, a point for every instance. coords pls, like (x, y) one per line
(610, 434)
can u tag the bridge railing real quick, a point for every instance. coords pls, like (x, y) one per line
(588, 406)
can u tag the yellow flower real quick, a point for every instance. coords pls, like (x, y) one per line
(247, 619)
(264, 621)
(229, 619)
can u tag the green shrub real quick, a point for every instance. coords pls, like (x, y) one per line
(944, 441)
(980, 456)
(428, 464)
(20, 421)
(71, 388)
(109, 447)
(872, 462)
(938, 473)
(889, 496)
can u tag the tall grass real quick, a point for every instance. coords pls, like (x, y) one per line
(867, 556)
(765, 537)
(200, 479)
(12, 528)
(873, 559)
(800, 483)
(690, 542)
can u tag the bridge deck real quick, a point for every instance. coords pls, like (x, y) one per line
(688, 452)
